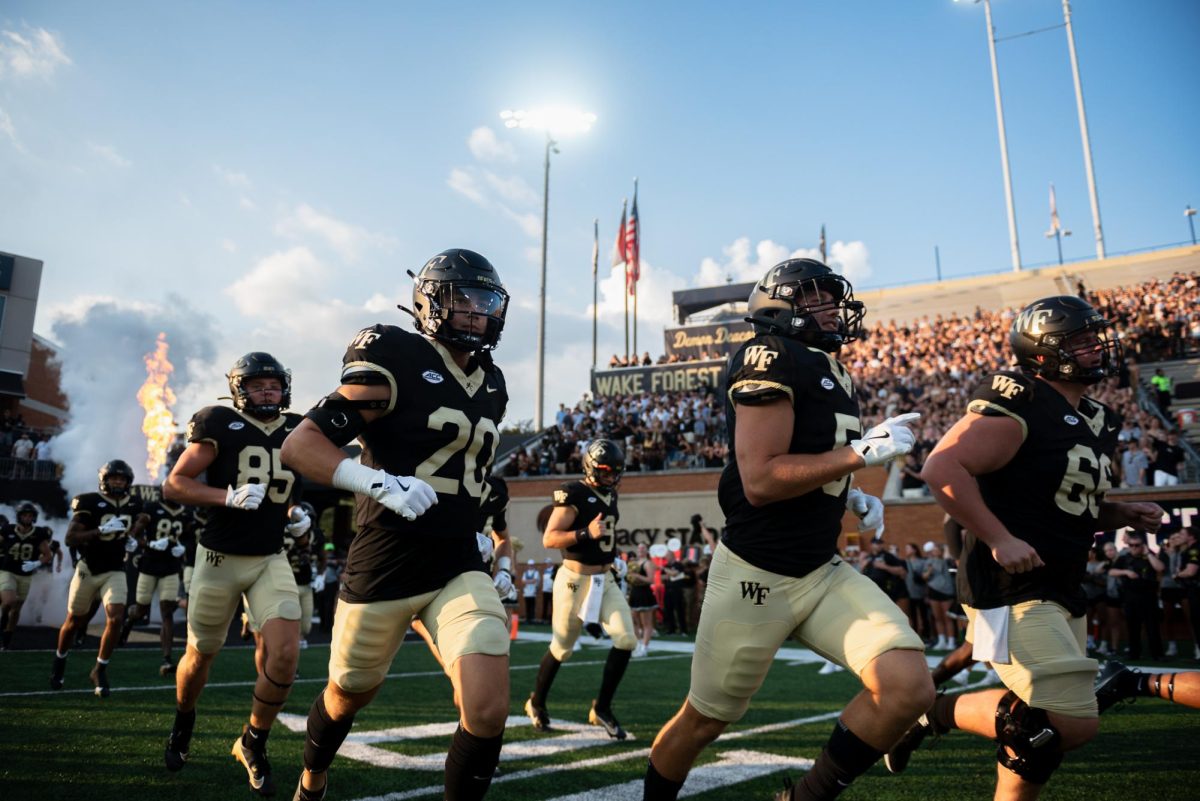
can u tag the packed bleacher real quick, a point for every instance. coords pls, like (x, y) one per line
(928, 365)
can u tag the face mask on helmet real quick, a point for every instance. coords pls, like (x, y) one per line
(116, 469)
(805, 300)
(27, 514)
(261, 405)
(1065, 339)
(458, 300)
(604, 464)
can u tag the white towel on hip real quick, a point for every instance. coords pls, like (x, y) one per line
(991, 636)
(589, 612)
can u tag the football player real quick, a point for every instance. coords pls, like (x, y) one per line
(24, 547)
(158, 571)
(796, 440)
(105, 526)
(310, 579)
(191, 540)
(582, 525)
(249, 488)
(1025, 471)
(425, 408)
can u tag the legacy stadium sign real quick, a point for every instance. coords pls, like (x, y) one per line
(716, 340)
(659, 378)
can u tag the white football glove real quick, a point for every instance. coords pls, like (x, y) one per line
(298, 528)
(131, 545)
(620, 567)
(247, 496)
(486, 546)
(407, 496)
(318, 583)
(178, 550)
(159, 544)
(503, 582)
(30, 566)
(886, 441)
(867, 508)
(115, 525)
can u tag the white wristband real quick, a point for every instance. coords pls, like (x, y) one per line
(353, 476)
(504, 563)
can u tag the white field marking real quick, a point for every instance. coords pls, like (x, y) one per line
(640, 753)
(732, 767)
(360, 746)
(313, 680)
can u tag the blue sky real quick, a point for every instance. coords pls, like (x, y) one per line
(265, 173)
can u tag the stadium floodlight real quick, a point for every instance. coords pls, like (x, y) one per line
(1008, 191)
(1190, 213)
(554, 121)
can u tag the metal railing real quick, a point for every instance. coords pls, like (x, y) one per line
(14, 469)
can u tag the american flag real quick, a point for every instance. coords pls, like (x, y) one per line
(633, 267)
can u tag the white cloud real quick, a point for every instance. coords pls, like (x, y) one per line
(237, 180)
(513, 189)
(465, 184)
(530, 223)
(109, 154)
(9, 130)
(229, 246)
(35, 54)
(655, 308)
(486, 147)
(346, 239)
(742, 263)
(278, 281)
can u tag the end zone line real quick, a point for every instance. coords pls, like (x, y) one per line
(314, 680)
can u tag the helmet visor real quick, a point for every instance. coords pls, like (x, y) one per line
(476, 300)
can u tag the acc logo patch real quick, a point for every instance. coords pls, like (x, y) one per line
(432, 376)
(236, 425)
(591, 500)
(1071, 420)
(827, 383)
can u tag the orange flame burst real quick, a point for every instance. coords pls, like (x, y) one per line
(156, 398)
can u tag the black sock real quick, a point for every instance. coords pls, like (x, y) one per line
(184, 723)
(6, 638)
(941, 716)
(657, 787)
(614, 669)
(844, 758)
(545, 677)
(470, 765)
(255, 738)
(325, 736)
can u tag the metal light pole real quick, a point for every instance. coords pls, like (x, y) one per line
(1013, 243)
(552, 121)
(1083, 132)
(1190, 213)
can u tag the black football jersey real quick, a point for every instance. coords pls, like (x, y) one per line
(589, 503)
(1191, 556)
(442, 427)
(107, 551)
(248, 452)
(795, 536)
(1049, 494)
(299, 556)
(191, 536)
(17, 547)
(173, 521)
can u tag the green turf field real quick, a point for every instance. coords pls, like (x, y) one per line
(72, 745)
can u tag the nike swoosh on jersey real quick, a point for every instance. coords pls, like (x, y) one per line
(491, 389)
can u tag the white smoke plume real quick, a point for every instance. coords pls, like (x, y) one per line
(103, 341)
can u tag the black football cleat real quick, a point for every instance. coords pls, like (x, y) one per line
(99, 677)
(1116, 683)
(538, 715)
(177, 751)
(167, 668)
(304, 794)
(258, 767)
(56, 673)
(605, 718)
(896, 760)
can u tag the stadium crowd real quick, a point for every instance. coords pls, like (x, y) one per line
(929, 365)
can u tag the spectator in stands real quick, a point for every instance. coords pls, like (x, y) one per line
(1134, 462)
(1138, 568)
(1111, 623)
(22, 453)
(1168, 461)
(646, 359)
(1162, 390)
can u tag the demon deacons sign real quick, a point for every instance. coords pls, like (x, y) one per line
(718, 340)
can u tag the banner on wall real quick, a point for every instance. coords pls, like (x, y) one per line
(712, 341)
(658, 378)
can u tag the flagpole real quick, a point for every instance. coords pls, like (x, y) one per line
(637, 233)
(595, 284)
(625, 283)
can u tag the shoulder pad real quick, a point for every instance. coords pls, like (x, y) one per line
(1006, 393)
(761, 371)
(375, 352)
(206, 424)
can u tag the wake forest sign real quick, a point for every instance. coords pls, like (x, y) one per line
(677, 377)
(713, 341)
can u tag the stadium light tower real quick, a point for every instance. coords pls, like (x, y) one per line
(1008, 192)
(554, 122)
(1083, 132)
(1190, 213)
